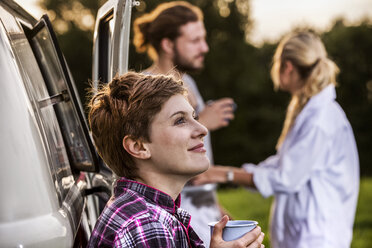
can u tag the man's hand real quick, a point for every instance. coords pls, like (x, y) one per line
(252, 239)
(217, 114)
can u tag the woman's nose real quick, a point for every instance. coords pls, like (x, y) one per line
(200, 129)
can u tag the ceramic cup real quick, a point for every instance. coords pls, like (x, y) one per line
(235, 229)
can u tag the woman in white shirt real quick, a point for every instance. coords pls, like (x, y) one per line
(314, 175)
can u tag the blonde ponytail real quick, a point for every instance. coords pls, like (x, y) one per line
(306, 51)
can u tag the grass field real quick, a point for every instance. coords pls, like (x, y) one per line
(243, 204)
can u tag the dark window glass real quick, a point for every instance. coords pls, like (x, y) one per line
(106, 29)
(63, 97)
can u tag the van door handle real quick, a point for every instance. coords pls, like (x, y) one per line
(61, 97)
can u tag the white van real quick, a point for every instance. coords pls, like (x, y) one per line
(49, 167)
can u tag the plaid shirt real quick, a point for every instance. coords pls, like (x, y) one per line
(141, 216)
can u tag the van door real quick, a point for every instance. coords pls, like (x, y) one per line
(45, 140)
(111, 40)
(63, 96)
(110, 57)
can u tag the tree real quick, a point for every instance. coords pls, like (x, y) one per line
(73, 22)
(237, 69)
(350, 47)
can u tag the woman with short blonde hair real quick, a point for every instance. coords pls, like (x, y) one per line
(147, 132)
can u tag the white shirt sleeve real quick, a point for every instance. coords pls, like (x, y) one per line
(292, 167)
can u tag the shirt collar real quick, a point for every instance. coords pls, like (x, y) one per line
(153, 195)
(326, 95)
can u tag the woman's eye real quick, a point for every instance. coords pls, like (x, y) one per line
(180, 121)
(196, 117)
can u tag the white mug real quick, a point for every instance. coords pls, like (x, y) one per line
(235, 229)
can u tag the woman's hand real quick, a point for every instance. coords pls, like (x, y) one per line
(215, 174)
(252, 239)
(219, 174)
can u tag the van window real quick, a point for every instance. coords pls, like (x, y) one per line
(111, 41)
(63, 97)
(102, 48)
(106, 29)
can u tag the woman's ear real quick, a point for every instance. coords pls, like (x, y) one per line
(288, 66)
(136, 148)
(167, 45)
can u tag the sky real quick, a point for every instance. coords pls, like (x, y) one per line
(273, 18)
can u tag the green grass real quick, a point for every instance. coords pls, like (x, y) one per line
(246, 205)
(363, 220)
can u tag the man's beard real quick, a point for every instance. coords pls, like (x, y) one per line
(182, 65)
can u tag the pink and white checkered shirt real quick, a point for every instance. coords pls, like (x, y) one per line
(141, 216)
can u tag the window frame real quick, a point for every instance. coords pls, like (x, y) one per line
(70, 94)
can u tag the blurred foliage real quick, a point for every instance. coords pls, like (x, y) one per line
(239, 70)
(73, 21)
(350, 47)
